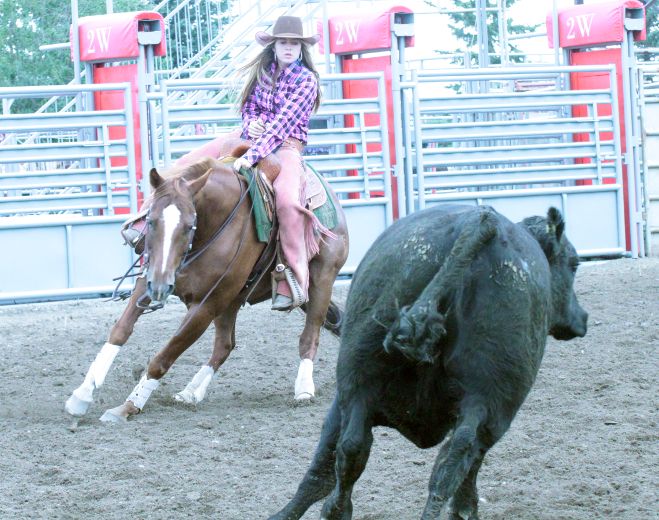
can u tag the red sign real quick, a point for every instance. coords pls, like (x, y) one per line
(114, 36)
(593, 24)
(363, 32)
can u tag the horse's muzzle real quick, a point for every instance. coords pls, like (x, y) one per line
(159, 292)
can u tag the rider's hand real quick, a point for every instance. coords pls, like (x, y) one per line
(241, 162)
(255, 129)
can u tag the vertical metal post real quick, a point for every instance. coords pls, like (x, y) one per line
(482, 34)
(130, 149)
(326, 38)
(555, 33)
(615, 114)
(142, 80)
(397, 49)
(76, 41)
(632, 137)
(384, 126)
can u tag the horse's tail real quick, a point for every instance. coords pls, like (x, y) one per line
(333, 319)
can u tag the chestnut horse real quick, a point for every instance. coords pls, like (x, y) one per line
(201, 245)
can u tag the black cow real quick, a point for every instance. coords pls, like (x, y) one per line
(445, 326)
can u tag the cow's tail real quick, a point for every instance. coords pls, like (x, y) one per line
(418, 328)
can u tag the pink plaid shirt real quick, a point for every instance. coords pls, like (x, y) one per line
(286, 109)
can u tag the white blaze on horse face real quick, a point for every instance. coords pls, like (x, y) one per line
(172, 216)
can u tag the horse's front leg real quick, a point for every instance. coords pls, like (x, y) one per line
(225, 341)
(83, 396)
(195, 322)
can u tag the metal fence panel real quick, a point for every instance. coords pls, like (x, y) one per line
(65, 189)
(520, 151)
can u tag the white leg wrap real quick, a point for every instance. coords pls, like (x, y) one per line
(94, 379)
(304, 387)
(196, 389)
(142, 391)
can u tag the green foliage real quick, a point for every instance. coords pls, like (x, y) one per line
(27, 24)
(652, 26)
(464, 27)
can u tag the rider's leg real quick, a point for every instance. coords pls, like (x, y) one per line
(289, 191)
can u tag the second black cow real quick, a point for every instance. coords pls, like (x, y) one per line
(445, 326)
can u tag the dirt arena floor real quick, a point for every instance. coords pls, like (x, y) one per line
(583, 446)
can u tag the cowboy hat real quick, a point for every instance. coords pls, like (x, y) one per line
(286, 27)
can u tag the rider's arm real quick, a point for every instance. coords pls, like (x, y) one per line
(296, 110)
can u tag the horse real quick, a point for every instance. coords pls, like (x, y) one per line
(201, 245)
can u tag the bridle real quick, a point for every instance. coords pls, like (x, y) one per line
(190, 255)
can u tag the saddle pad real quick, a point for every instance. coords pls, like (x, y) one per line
(326, 213)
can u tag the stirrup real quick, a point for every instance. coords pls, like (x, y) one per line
(297, 296)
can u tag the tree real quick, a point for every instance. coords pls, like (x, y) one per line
(27, 24)
(651, 24)
(464, 28)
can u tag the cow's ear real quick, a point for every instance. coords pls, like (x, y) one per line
(555, 229)
(155, 179)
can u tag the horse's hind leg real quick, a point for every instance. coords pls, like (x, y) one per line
(320, 295)
(83, 396)
(196, 321)
(225, 341)
(320, 478)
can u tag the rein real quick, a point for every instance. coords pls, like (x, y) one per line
(192, 256)
(235, 255)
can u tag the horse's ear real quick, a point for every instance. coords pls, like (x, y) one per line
(155, 178)
(195, 185)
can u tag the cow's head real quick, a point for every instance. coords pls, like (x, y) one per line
(567, 319)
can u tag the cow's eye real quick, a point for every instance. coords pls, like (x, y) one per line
(574, 264)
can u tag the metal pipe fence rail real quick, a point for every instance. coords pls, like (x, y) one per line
(519, 151)
(66, 183)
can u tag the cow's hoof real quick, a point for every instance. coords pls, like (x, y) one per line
(76, 406)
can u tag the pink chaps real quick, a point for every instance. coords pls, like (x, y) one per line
(300, 231)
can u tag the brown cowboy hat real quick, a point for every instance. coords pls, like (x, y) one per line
(286, 27)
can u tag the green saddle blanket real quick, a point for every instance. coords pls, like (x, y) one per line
(326, 213)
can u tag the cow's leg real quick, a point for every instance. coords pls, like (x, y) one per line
(83, 396)
(225, 341)
(456, 459)
(352, 451)
(465, 500)
(320, 294)
(196, 321)
(320, 477)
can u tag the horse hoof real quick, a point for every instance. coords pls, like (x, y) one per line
(185, 397)
(114, 415)
(76, 407)
(303, 397)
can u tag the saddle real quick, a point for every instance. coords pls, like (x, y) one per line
(268, 169)
(261, 191)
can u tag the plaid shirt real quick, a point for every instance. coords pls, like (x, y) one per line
(286, 109)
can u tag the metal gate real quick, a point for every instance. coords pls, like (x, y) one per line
(512, 139)
(63, 183)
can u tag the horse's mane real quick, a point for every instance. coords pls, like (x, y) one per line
(176, 174)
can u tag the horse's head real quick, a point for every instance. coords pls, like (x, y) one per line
(171, 224)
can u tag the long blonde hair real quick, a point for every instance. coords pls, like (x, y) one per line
(257, 72)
